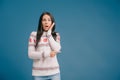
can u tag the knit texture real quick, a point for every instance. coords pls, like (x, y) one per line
(43, 64)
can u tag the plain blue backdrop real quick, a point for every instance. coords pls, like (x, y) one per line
(90, 37)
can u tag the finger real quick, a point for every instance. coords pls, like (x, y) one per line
(52, 54)
(52, 25)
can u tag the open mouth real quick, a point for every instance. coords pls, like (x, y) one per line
(46, 26)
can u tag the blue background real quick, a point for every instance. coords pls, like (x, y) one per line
(90, 37)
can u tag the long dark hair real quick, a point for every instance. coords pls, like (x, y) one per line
(40, 28)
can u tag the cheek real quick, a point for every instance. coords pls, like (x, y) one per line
(50, 22)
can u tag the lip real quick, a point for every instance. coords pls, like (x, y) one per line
(46, 26)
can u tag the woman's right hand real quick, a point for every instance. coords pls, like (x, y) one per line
(52, 53)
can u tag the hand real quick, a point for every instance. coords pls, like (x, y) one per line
(51, 26)
(50, 29)
(52, 53)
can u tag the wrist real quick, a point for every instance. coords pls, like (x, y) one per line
(49, 33)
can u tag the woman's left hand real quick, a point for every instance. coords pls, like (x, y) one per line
(51, 26)
(50, 29)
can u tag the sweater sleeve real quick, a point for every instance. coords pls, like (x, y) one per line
(54, 44)
(32, 53)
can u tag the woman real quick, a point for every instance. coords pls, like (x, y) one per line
(44, 45)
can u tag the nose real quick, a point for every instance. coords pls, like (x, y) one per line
(46, 22)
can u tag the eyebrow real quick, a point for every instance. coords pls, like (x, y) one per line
(46, 19)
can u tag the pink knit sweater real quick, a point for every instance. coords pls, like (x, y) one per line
(43, 64)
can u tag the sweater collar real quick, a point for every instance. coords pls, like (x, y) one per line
(44, 33)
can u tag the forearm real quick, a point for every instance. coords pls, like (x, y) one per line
(32, 54)
(53, 44)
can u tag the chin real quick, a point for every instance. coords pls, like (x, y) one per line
(45, 30)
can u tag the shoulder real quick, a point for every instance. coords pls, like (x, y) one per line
(58, 34)
(58, 37)
(33, 34)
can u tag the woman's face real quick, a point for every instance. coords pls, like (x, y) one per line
(46, 22)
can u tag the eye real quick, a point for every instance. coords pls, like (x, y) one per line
(43, 19)
(49, 19)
